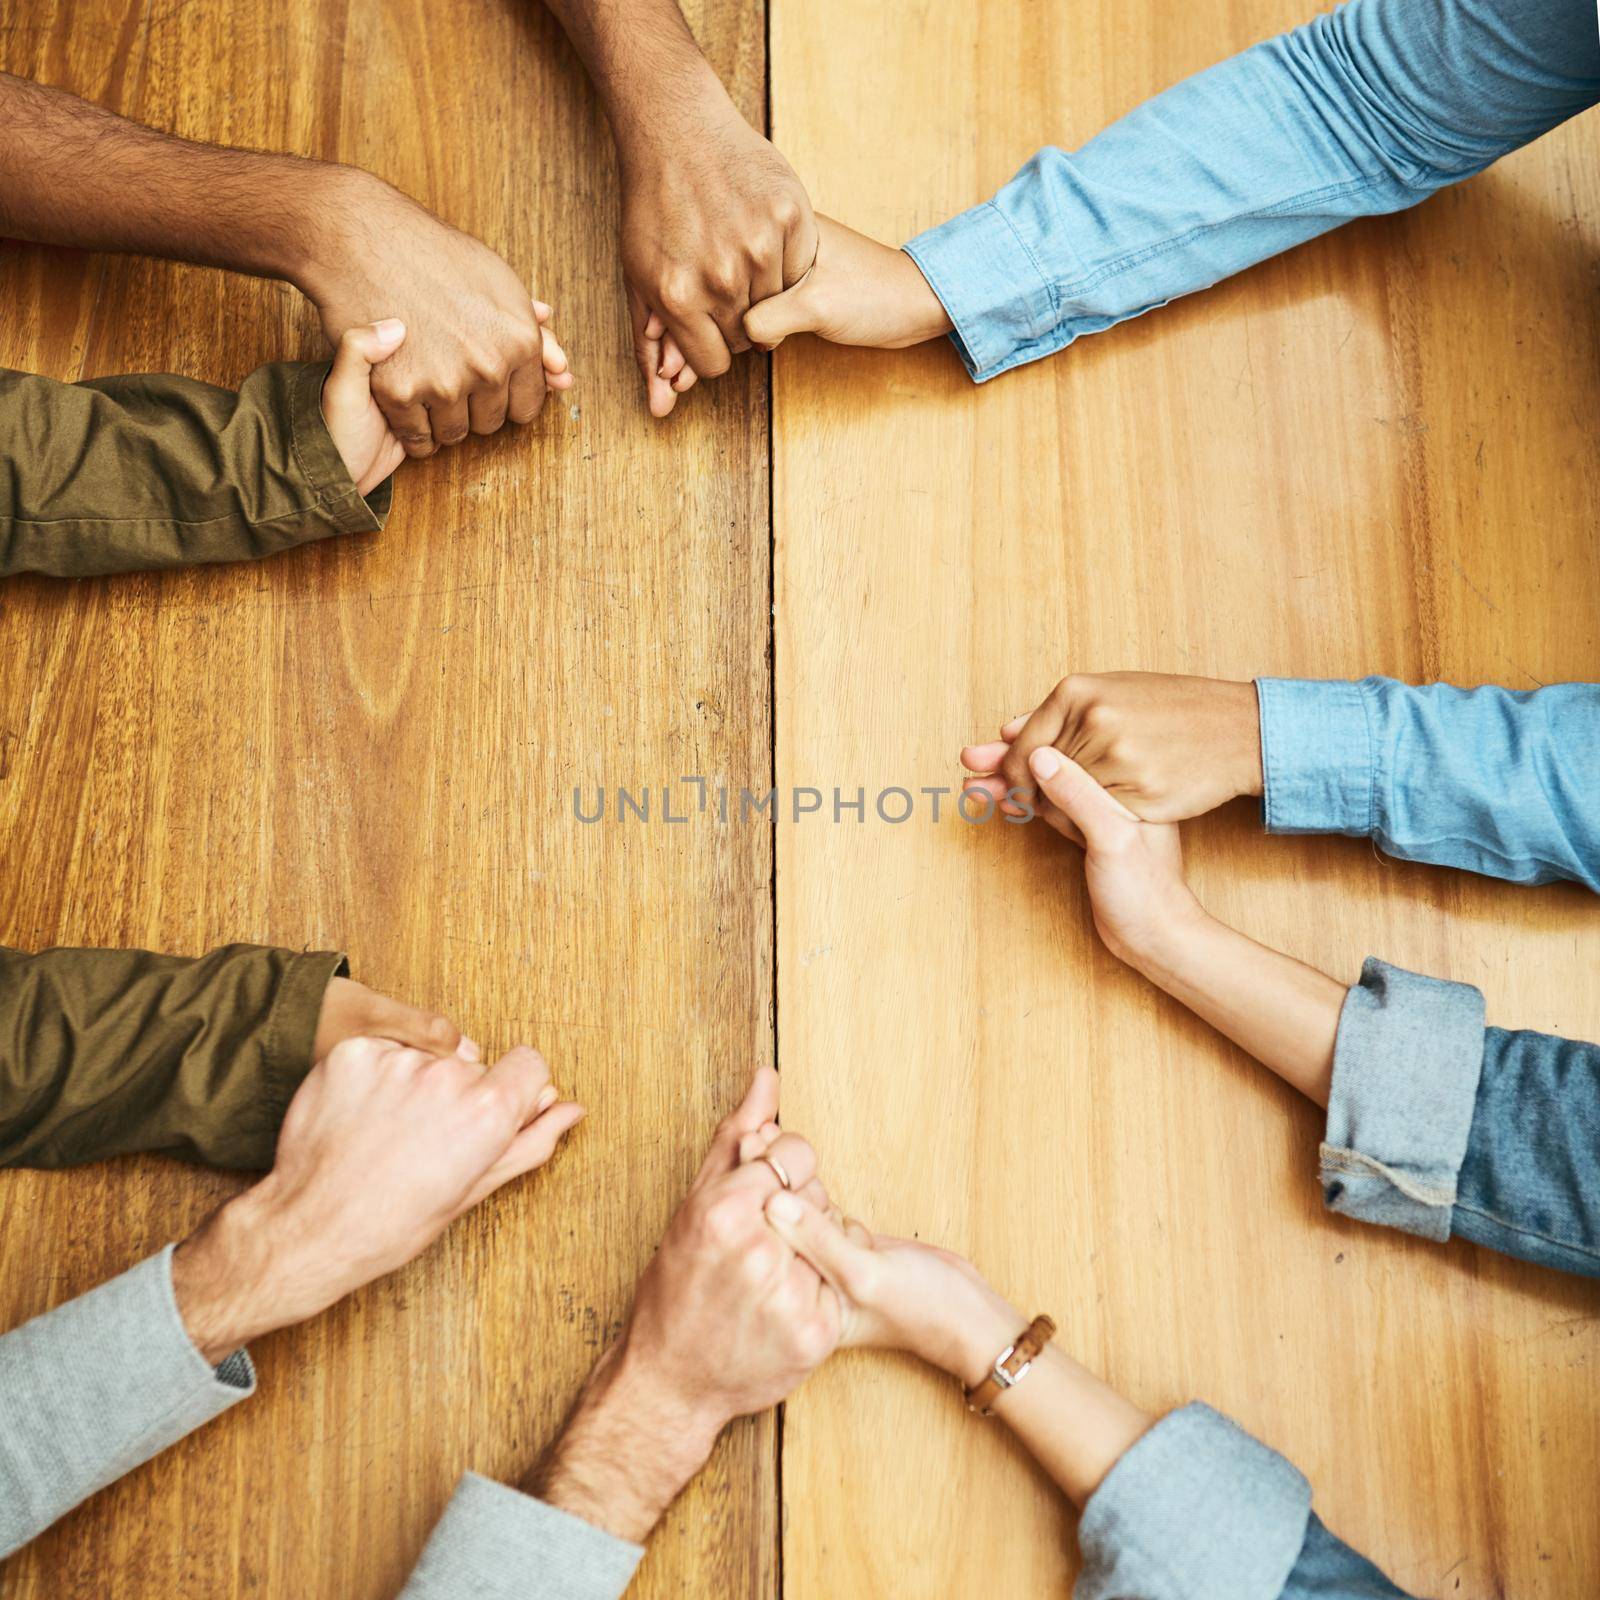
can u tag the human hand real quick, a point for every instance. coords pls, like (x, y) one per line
(1169, 747)
(726, 1321)
(900, 1294)
(359, 430)
(477, 349)
(383, 1147)
(1144, 909)
(351, 1010)
(857, 292)
(713, 220)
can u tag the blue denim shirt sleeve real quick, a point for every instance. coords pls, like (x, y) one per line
(1405, 1078)
(1197, 1509)
(1328, 1569)
(1441, 1126)
(1368, 109)
(1499, 781)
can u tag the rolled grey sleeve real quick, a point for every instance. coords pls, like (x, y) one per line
(96, 1387)
(493, 1543)
(1406, 1065)
(1196, 1510)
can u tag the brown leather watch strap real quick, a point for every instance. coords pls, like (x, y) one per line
(1011, 1365)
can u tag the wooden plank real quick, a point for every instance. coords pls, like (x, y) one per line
(373, 745)
(1371, 455)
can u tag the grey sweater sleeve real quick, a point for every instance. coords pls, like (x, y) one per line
(493, 1543)
(96, 1387)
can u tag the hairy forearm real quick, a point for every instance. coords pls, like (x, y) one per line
(1281, 1011)
(73, 173)
(644, 62)
(623, 1455)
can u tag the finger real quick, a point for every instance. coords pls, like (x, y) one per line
(486, 408)
(995, 788)
(427, 1030)
(1010, 730)
(767, 280)
(755, 1145)
(525, 392)
(685, 380)
(702, 344)
(519, 1077)
(1056, 819)
(348, 386)
(760, 1104)
(531, 1149)
(767, 325)
(553, 358)
(800, 247)
(815, 1194)
(1098, 816)
(985, 758)
(817, 1239)
(790, 1152)
(672, 361)
(648, 331)
(1044, 726)
(542, 312)
(730, 324)
(449, 421)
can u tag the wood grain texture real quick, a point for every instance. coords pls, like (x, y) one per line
(372, 744)
(1372, 455)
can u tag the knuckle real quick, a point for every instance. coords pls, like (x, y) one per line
(492, 366)
(1099, 718)
(785, 209)
(759, 1262)
(812, 1341)
(679, 293)
(724, 1222)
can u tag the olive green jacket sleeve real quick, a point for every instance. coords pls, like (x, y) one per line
(126, 473)
(105, 1052)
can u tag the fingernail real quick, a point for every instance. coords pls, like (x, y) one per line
(1044, 762)
(391, 330)
(468, 1049)
(547, 1098)
(783, 1207)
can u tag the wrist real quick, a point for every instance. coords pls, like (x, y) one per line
(332, 201)
(969, 1339)
(627, 1451)
(678, 97)
(1249, 777)
(1178, 946)
(222, 1281)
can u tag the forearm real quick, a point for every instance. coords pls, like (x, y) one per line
(1277, 1009)
(1492, 780)
(1073, 1424)
(1366, 109)
(72, 173)
(106, 1052)
(624, 1454)
(94, 1388)
(124, 474)
(644, 62)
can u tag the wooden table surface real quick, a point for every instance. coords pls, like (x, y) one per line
(1372, 455)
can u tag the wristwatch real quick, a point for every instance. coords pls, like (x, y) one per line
(1011, 1366)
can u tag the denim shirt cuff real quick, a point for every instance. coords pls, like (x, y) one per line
(1406, 1065)
(1316, 756)
(992, 287)
(1196, 1510)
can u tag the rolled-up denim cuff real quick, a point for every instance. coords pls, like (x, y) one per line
(1317, 759)
(1196, 1510)
(993, 289)
(1406, 1065)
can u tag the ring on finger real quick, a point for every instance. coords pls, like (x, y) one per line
(777, 1167)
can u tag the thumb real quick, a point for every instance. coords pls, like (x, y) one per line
(1098, 816)
(360, 350)
(770, 322)
(815, 1237)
